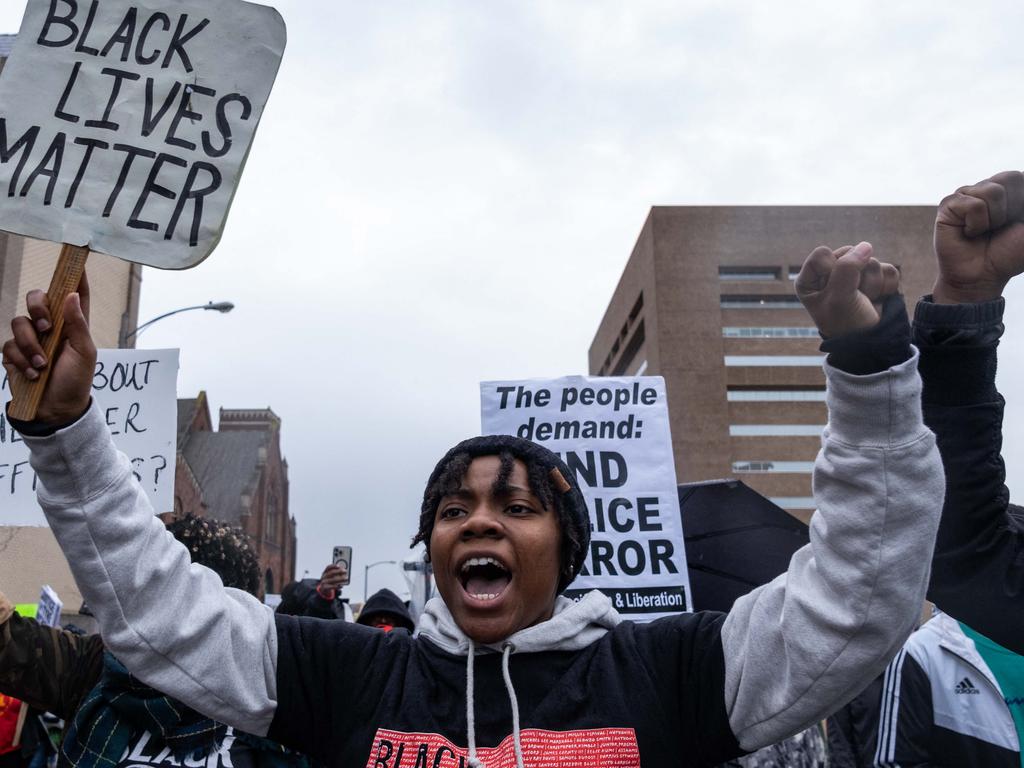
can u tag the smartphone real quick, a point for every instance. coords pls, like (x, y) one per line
(343, 556)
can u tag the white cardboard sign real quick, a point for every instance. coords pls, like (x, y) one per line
(125, 124)
(136, 391)
(614, 435)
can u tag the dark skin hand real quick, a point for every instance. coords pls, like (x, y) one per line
(979, 239)
(333, 578)
(68, 391)
(843, 290)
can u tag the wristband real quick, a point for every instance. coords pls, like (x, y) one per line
(326, 594)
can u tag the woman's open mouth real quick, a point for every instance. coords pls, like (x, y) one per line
(484, 578)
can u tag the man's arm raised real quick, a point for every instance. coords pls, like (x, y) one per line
(978, 570)
(169, 621)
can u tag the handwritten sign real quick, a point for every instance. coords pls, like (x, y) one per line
(136, 391)
(125, 124)
(613, 433)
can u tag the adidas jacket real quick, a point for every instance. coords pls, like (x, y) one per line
(939, 705)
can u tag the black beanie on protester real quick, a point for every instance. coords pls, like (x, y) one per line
(566, 488)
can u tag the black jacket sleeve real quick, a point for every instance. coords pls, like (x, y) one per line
(50, 669)
(978, 569)
(892, 718)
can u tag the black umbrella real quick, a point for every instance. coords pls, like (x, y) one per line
(736, 540)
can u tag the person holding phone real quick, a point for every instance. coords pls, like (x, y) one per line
(319, 598)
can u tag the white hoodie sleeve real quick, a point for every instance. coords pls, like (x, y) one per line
(172, 623)
(801, 646)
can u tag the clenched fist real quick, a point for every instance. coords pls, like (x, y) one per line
(843, 290)
(979, 239)
(69, 388)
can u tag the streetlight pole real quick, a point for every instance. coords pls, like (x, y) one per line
(366, 574)
(220, 306)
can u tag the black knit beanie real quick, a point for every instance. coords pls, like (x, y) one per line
(563, 482)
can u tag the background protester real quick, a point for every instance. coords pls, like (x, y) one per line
(951, 697)
(385, 610)
(978, 570)
(113, 718)
(318, 598)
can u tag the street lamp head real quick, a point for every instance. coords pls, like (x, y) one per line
(220, 306)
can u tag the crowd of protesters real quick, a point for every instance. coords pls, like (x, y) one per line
(503, 670)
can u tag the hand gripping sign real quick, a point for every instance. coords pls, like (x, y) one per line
(124, 128)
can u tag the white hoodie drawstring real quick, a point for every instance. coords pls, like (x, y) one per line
(507, 650)
(470, 715)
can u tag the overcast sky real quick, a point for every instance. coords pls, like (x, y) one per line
(446, 192)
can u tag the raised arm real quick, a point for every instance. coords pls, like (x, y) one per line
(978, 570)
(800, 647)
(50, 669)
(199, 642)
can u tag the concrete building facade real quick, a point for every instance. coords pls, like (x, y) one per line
(707, 301)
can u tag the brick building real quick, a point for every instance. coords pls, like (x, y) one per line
(707, 301)
(237, 474)
(26, 264)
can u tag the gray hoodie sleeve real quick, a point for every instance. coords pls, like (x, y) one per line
(801, 646)
(134, 575)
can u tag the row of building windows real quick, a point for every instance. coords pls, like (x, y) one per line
(787, 361)
(775, 395)
(764, 301)
(801, 467)
(775, 430)
(789, 332)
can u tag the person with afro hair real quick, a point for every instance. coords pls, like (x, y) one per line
(114, 718)
(504, 669)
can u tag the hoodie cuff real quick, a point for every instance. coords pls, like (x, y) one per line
(78, 462)
(877, 410)
(958, 350)
(874, 349)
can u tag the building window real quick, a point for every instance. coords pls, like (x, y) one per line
(634, 313)
(774, 360)
(752, 301)
(801, 467)
(775, 430)
(630, 350)
(775, 395)
(748, 273)
(778, 332)
(794, 502)
(271, 532)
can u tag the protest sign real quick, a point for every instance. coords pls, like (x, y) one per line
(48, 612)
(125, 124)
(136, 391)
(613, 433)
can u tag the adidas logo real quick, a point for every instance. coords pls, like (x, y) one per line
(966, 686)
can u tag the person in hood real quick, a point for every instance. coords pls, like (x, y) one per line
(505, 671)
(113, 719)
(385, 610)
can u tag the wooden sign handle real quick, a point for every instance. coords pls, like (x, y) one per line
(26, 395)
